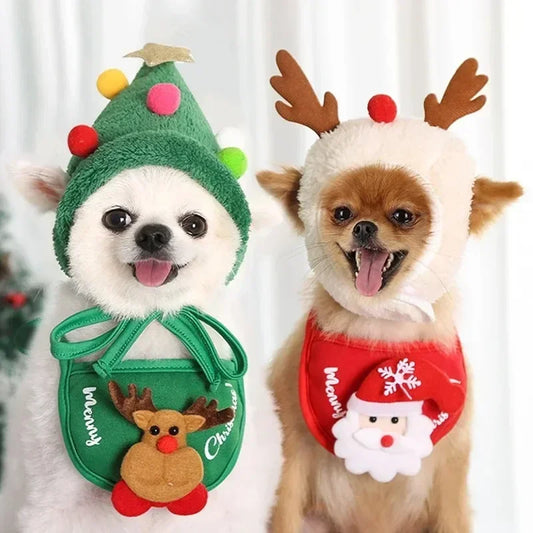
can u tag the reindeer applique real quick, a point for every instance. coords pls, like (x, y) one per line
(162, 470)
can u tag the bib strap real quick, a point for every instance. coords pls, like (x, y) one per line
(186, 326)
(196, 340)
(239, 356)
(64, 350)
(118, 349)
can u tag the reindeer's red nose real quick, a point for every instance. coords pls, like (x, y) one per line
(387, 441)
(382, 108)
(167, 444)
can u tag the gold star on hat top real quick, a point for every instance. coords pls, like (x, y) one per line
(155, 54)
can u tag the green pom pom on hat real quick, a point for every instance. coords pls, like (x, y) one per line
(153, 121)
(234, 159)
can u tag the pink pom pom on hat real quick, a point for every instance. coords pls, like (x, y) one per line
(163, 99)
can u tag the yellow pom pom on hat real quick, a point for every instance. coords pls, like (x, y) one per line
(111, 82)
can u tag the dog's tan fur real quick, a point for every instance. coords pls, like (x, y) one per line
(284, 186)
(315, 482)
(373, 193)
(490, 198)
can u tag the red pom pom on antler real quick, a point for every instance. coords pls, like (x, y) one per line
(382, 108)
(82, 140)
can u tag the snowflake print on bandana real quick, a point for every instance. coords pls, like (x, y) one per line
(403, 377)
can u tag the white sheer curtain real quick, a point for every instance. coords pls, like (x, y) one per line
(52, 50)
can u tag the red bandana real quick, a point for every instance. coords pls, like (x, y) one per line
(333, 367)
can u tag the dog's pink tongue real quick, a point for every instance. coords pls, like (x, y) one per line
(368, 281)
(152, 273)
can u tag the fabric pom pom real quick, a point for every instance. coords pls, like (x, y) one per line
(126, 502)
(163, 99)
(82, 140)
(16, 299)
(111, 82)
(191, 504)
(234, 159)
(231, 136)
(382, 108)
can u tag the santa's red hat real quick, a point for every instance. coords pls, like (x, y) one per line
(400, 386)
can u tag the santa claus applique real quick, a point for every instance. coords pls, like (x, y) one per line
(389, 421)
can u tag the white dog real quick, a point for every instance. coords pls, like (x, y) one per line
(42, 490)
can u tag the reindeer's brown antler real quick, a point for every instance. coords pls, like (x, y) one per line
(210, 413)
(304, 105)
(127, 405)
(458, 100)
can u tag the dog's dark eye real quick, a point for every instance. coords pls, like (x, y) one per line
(394, 420)
(403, 217)
(154, 430)
(116, 219)
(342, 214)
(194, 225)
(373, 419)
(174, 430)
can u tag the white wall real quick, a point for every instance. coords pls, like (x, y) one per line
(51, 52)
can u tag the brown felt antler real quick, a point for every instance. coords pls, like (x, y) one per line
(127, 405)
(458, 100)
(210, 413)
(304, 106)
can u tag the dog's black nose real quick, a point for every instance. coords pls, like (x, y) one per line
(364, 231)
(153, 237)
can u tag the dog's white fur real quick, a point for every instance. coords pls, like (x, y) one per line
(156, 197)
(42, 491)
(41, 186)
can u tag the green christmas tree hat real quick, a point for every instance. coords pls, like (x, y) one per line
(153, 121)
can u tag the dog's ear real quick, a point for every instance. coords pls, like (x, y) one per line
(41, 186)
(489, 200)
(284, 186)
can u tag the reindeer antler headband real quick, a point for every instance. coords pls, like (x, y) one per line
(458, 101)
(305, 108)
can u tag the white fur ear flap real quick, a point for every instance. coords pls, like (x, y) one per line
(41, 186)
(265, 214)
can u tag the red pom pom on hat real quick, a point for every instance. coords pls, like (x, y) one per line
(382, 108)
(82, 140)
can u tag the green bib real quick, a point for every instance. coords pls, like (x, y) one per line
(97, 436)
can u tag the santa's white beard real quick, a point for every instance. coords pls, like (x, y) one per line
(362, 450)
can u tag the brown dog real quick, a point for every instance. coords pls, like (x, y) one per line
(386, 206)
